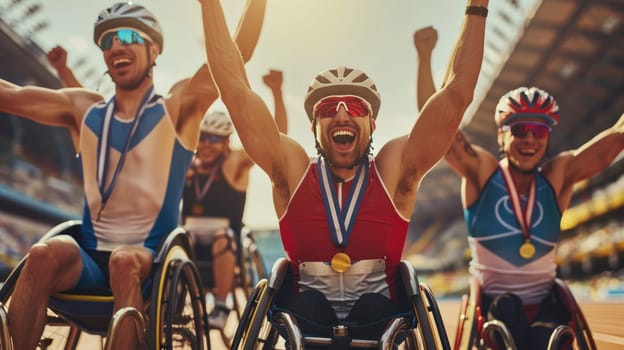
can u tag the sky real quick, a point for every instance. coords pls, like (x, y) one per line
(299, 37)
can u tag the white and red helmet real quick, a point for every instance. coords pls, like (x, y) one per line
(525, 103)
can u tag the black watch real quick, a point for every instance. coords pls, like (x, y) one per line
(477, 10)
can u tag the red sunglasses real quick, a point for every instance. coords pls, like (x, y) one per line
(329, 106)
(522, 129)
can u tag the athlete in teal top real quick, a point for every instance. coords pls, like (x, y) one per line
(493, 232)
(513, 206)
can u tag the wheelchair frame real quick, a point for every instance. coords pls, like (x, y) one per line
(473, 330)
(255, 331)
(175, 286)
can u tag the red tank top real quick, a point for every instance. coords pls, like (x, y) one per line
(378, 233)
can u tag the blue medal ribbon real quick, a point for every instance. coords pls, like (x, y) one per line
(341, 219)
(103, 154)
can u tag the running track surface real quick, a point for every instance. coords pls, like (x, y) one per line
(606, 321)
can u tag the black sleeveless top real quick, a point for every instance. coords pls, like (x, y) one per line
(221, 200)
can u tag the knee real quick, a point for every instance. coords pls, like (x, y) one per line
(41, 262)
(221, 244)
(505, 305)
(125, 269)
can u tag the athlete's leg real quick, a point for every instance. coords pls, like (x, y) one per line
(223, 252)
(51, 267)
(224, 265)
(129, 267)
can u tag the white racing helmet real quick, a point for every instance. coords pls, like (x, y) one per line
(342, 81)
(129, 15)
(217, 123)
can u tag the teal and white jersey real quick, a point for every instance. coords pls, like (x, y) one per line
(143, 206)
(495, 238)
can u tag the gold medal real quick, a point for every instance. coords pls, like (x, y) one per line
(527, 250)
(340, 262)
(197, 209)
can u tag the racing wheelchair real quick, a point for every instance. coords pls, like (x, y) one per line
(250, 268)
(419, 326)
(474, 331)
(176, 315)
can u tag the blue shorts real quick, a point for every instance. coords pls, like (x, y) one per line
(95, 274)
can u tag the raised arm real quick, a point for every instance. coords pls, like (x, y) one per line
(471, 162)
(57, 57)
(437, 123)
(253, 121)
(274, 81)
(596, 154)
(425, 40)
(249, 28)
(189, 99)
(586, 161)
(64, 107)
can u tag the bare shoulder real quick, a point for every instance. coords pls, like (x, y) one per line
(82, 99)
(391, 151)
(179, 86)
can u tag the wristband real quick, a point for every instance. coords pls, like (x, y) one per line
(477, 10)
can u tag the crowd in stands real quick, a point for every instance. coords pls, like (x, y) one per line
(28, 179)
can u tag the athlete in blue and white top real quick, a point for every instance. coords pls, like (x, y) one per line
(134, 150)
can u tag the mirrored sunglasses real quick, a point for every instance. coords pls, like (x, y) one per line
(214, 139)
(125, 37)
(329, 106)
(522, 129)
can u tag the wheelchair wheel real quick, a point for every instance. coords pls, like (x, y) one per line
(183, 324)
(177, 313)
(436, 315)
(251, 266)
(584, 338)
(248, 330)
(466, 334)
(249, 271)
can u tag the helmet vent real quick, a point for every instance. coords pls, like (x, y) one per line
(360, 78)
(322, 79)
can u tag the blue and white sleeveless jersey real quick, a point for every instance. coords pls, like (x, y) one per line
(144, 205)
(495, 237)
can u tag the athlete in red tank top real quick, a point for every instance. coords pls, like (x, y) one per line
(353, 233)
